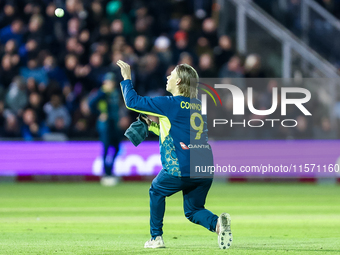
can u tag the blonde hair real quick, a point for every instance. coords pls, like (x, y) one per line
(186, 72)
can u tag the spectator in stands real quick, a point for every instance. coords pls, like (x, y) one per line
(12, 50)
(116, 28)
(149, 75)
(223, 52)
(58, 118)
(14, 31)
(35, 28)
(144, 22)
(129, 55)
(31, 8)
(98, 71)
(8, 70)
(115, 56)
(118, 43)
(16, 98)
(206, 68)
(73, 27)
(209, 31)
(103, 33)
(203, 46)
(35, 103)
(83, 121)
(31, 85)
(232, 69)
(186, 58)
(29, 50)
(54, 72)
(121, 23)
(71, 63)
(96, 14)
(73, 46)
(52, 36)
(162, 48)
(9, 13)
(141, 45)
(71, 7)
(33, 70)
(102, 48)
(31, 127)
(11, 127)
(182, 45)
(186, 25)
(253, 69)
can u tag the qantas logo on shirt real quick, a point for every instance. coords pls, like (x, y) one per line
(184, 147)
(194, 146)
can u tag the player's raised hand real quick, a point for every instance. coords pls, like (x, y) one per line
(124, 69)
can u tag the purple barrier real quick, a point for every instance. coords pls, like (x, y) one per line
(75, 158)
(84, 158)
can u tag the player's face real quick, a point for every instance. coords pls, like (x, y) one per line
(172, 82)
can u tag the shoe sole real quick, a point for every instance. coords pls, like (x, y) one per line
(225, 238)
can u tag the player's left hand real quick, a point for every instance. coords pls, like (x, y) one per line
(146, 120)
(124, 69)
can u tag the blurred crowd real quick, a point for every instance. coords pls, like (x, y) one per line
(320, 34)
(50, 66)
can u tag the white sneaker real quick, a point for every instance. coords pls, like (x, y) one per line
(109, 181)
(155, 243)
(225, 238)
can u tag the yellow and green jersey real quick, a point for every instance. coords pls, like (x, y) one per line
(182, 130)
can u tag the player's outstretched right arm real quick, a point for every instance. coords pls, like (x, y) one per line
(158, 106)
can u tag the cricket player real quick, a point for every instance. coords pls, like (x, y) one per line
(180, 125)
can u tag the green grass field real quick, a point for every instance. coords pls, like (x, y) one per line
(86, 218)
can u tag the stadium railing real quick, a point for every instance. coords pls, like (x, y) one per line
(247, 11)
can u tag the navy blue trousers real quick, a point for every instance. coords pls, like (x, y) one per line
(194, 194)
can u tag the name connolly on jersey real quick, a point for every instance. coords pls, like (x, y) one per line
(194, 146)
(191, 106)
